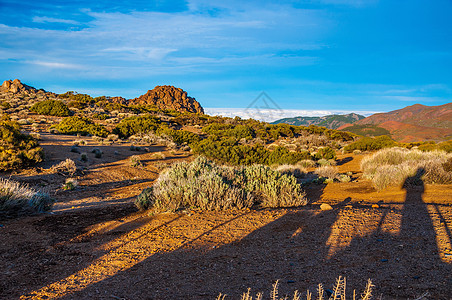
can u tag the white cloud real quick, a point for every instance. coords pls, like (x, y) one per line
(55, 65)
(270, 115)
(38, 19)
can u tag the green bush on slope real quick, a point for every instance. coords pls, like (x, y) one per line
(78, 125)
(51, 108)
(17, 150)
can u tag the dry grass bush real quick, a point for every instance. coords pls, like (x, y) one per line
(393, 166)
(135, 161)
(326, 162)
(158, 155)
(295, 170)
(306, 163)
(17, 198)
(205, 185)
(339, 291)
(66, 167)
(70, 184)
(329, 172)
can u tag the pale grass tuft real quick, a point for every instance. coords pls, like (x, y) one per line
(327, 172)
(66, 167)
(158, 155)
(16, 198)
(339, 293)
(392, 166)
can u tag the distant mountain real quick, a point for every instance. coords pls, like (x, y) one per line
(412, 123)
(330, 121)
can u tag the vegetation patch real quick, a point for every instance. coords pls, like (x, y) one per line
(17, 150)
(367, 130)
(232, 152)
(137, 125)
(18, 199)
(202, 184)
(395, 165)
(371, 144)
(51, 108)
(77, 125)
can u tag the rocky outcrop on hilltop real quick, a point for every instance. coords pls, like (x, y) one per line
(169, 97)
(16, 96)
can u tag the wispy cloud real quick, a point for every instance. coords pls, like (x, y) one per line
(39, 19)
(55, 65)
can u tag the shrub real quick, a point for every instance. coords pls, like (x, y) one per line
(295, 170)
(70, 184)
(77, 125)
(371, 144)
(393, 166)
(231, 152)
(97, 152)
(325, 153)
(136, 125)
(84, 157)
(135, 161)
(205, 185)
(307, 163)
(326, 172)
(17, 198)
(51, 108)
(66, 167)
(158, 155)
(17, 149)
(344, 178)
(181, 136)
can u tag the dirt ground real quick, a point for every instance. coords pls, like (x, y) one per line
(96, 245)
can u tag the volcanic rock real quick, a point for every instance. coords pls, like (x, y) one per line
(169, 97)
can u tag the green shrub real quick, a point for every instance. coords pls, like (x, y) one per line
(51, 108)
(17, 150)
(77, 125)
(16, 198)
(325, 153)
(371, 144)
(202, 184)
(231, 152)
(137, 125)
(180, 136)
(393, 166)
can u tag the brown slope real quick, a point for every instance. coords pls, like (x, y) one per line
(407, 133)
(417, 114)
(415, 123)
(169, 97)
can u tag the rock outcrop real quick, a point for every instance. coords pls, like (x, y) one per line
(15, 86)
(169, 97)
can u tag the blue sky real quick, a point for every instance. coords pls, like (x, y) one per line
(308, 55)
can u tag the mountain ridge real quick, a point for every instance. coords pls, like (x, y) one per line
(329, 121)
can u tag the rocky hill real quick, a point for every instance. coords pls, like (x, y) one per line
(413, 123)
(169, 97)
(330, 121)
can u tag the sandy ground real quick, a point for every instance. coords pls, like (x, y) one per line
(96, 245)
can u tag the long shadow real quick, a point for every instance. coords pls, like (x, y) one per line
(59, 250)
(404, 265)
(295, 248)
